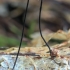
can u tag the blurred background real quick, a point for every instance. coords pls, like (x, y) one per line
(55, 16)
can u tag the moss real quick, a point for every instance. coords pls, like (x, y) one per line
(8, 41)
(31, 28)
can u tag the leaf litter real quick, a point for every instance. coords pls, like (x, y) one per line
(37, 57)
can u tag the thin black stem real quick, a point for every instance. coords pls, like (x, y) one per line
(40, 27)
(22, 34)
